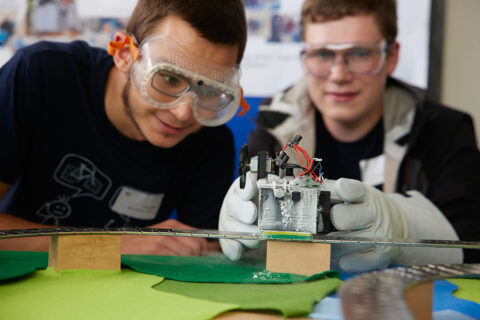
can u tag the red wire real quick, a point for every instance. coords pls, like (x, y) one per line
(298, 156)
(305, 155)
(309, 162)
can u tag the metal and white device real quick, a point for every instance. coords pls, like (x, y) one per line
(295, 203)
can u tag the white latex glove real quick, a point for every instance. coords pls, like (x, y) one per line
(368, 212)
(239, 214)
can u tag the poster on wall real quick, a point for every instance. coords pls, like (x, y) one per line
(65, 20)
(12, 13)
(271, 61)
(24, 22)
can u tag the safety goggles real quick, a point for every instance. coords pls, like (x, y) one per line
(318, 60)
(165, 75)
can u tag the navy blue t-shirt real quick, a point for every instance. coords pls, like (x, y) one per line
(341, 159)
(68, 165)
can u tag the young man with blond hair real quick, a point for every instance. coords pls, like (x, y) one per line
(405, 166)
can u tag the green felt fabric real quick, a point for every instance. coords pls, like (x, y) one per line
(214, 269)
(15, 264)
(94, 294)
(195, 269)
(292, 300)
(468, 289)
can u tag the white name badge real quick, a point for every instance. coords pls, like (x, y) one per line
(135, 203)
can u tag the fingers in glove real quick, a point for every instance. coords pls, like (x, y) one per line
(240, 227)
(350, 190)
(238, 216)
(228, 223)
(377, 258)
(243, 211)
(232, 249)
(348, 216)
(250, 244)
(250, 191)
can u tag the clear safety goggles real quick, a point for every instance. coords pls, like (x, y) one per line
(319, 60)
(165, 75)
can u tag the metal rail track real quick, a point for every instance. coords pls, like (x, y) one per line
(379, 295)
(215, 234)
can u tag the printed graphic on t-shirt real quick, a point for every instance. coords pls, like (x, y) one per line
(55, 210)
(83, 177)
(134, 203)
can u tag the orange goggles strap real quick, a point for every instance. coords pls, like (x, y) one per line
(243, 104)
(114, 46)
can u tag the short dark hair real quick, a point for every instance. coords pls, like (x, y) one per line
(384, 12)
(218, 21)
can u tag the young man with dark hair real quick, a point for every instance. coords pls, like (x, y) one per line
(94, 141)
(413, 166)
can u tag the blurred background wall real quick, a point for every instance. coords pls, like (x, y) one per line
(460, 82)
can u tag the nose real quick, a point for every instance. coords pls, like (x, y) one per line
(339, 71)
(183, 111)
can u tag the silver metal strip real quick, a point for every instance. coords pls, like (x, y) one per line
(379, 294)
(215, 234)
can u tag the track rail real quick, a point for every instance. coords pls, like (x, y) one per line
(379, 295)
(215, 234)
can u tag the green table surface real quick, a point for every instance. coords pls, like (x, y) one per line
(153, 287)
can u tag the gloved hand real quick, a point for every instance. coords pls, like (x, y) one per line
(368, 212)
(238, 214)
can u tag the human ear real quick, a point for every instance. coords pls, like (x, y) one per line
(123, 56)
(392, 57)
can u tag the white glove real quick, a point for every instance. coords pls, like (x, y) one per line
(368, 212)
(239, 213)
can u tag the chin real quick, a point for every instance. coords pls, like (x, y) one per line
(340, 115)
(166, 141)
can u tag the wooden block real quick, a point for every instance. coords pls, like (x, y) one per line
(303, 258)
(101, 252)
(419, 299)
